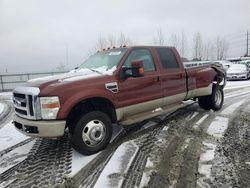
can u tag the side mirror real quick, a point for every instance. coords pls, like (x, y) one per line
(136, 70)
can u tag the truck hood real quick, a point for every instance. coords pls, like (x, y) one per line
(74, 75)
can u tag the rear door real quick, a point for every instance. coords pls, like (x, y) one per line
(144, 93)
(173, 76)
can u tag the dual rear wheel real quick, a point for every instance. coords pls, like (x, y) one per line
(213, 101)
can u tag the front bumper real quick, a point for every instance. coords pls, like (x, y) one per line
(236, 77)
(41, 128)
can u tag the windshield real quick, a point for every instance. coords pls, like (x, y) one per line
(237, 67)
(104, 61)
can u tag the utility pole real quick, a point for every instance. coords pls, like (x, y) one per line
(247, 45)
(67, 56)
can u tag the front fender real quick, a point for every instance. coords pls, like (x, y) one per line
(80, 96)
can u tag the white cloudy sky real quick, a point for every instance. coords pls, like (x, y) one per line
(34, 33)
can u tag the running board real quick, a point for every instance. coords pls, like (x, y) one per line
(147, 115)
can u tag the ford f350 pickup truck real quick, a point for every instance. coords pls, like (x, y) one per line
(117, 86)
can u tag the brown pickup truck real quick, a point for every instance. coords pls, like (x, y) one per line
(117, 86)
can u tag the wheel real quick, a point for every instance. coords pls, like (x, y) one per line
(91, 133)
(214, 101)
(203, 103)
(217, 98)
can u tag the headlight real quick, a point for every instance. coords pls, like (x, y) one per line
(49, 107)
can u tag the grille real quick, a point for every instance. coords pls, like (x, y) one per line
(24, 105)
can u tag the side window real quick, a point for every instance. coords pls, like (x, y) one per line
(141, 54)
(167, 57)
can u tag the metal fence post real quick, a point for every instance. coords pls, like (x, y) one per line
(1, 79)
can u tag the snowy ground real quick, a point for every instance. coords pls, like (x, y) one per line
(1, 108)
(189, 148)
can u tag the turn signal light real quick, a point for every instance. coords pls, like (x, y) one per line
(51, 105)
(141, 70)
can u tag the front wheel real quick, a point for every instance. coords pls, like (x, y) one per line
(214, 101)
(91, 133)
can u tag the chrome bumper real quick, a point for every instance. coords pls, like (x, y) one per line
(41, 128)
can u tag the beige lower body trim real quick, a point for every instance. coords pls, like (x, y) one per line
(200, 92)
(49, 129)
(124, 112)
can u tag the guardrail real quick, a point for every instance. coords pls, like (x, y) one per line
(9, 81)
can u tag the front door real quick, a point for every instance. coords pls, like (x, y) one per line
(142, 93)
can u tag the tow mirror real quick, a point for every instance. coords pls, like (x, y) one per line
(136, 70)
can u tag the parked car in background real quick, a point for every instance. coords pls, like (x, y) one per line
(238, 72)
(246, 62)
(225, 64)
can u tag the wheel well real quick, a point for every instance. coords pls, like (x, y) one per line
(92, 104)
(219, 79)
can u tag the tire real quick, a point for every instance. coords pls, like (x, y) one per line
(203, 103)
(92, 133)
(214, 101)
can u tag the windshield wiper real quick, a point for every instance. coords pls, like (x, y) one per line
(94, 70)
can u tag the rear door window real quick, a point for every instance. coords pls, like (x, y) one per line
(167, 57)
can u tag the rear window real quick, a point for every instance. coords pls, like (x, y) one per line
(167, 58)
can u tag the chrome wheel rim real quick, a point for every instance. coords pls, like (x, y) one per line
(218, 98)
(93, 133)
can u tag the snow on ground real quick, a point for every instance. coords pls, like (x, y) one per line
(79, 161)
(205, 163)
(233, 94)
(208, 155)
(1, 108)
(113, 173)
(6, 95)
(15, 156)
(9, 136)
(230, 109)
(146, 173)
(193, 115)
(237, 83)
(200, 121)
(218, 127)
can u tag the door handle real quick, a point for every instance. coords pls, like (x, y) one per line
(157, 79)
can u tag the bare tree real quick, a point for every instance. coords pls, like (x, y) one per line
(183, 45)
(124, 40)
(198, 46)
(206, 50)
(159, 39)
(174, 41)
(221, 48)
(111, 41)
(102, 43)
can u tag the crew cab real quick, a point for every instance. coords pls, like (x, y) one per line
(117, 86)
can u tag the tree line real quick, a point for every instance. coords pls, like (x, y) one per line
(199, 48)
